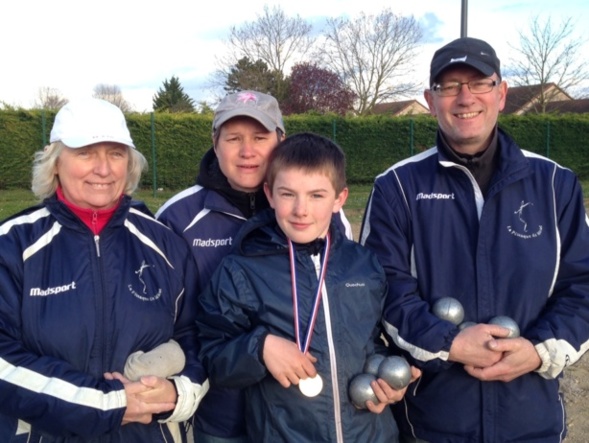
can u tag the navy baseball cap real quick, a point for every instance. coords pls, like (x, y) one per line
(467, 51)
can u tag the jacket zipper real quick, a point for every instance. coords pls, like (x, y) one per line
(253, 203)
(96, 236)
(96, 243)
(332, 359)
(478, 194)
(100, 316)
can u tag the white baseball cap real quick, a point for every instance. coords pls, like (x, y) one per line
(88, 121)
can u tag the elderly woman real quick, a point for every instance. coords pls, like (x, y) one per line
(89, 281)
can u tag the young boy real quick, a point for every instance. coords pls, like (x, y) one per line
(293, 313)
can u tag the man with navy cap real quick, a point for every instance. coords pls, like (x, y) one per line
(504, 232)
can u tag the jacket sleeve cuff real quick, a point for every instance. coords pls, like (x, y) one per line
(189, 397)
(261, 342)
(548, 369)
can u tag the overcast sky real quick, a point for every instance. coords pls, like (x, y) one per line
(74, 45)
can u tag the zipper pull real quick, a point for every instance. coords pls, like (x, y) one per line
(96, 242)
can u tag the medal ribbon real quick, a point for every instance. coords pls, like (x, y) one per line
(304, 347)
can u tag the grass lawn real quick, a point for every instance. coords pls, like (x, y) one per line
(15, 200)
(12, 201)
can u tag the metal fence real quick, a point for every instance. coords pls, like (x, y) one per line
(175, 144)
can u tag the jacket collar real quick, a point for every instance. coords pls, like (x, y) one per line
(482, 165)
(261, 235)
(211, 177)
(510, 163)
(67, 218)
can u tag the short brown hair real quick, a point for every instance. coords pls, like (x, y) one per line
(309, 152)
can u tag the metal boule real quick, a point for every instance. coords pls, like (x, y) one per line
(508, 323)
(372, 364)
(360, 390)
(395, 371)
(466, 324)
(449, 309)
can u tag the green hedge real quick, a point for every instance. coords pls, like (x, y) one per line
(175, 143)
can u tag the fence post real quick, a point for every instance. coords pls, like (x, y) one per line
(43, 129)
(153, 159)
(334, 130)
(411, 137)
(548, 139)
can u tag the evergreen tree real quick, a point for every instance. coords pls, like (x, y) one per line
(172, 98)
(256, 76)
(250, 75)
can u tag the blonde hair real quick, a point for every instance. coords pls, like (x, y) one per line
(45, 180)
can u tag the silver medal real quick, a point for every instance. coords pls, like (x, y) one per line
(311, 387)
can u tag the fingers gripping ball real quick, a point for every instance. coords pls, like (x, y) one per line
(507, 323)
(360, 390)
(395, 371)
(449, 309)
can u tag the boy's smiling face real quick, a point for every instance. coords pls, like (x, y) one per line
(304, 202)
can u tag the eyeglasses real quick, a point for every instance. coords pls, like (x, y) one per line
(449, 89)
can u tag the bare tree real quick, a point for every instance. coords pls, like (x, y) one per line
(50, 99)
(112, 94)
(548, 55)
(273, 38)
(373, 54)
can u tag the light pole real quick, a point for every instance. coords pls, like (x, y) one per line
(463, 18)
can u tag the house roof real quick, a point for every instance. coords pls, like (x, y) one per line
(577, 106)
(400, 108)
(520, 99)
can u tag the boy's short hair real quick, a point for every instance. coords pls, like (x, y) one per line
(311, 153)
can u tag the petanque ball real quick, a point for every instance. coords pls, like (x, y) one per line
(372, 364)
(360, 390)
(466, 324)
(395, 371)
(449, 309)
(508, 323)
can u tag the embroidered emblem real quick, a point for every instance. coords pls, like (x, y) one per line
(247, 97)
(458, 60)
(524, 214)
(143, 294)
(520, 214)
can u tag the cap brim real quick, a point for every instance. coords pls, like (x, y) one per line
(259, 116)
(79, 142)
(483, 68)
